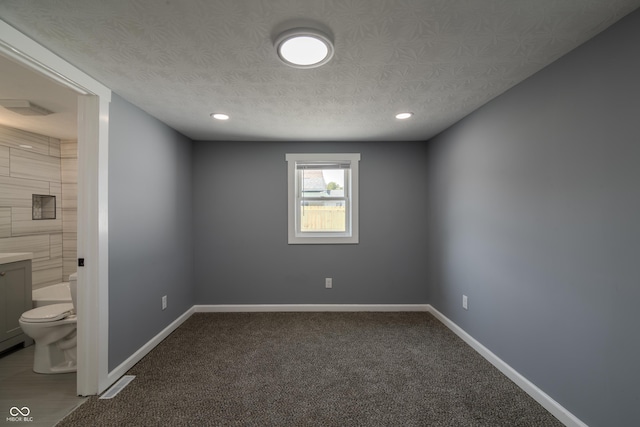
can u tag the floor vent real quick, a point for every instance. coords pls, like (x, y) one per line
(117, 387)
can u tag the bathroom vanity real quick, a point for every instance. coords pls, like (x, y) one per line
(15, 297)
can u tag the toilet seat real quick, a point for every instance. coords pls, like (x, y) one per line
(48, 313)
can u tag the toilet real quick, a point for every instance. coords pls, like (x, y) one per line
(53, 328)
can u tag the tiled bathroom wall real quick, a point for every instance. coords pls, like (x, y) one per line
(37, 164)
(69, 176)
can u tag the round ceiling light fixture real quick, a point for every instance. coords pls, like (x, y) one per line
(219, 116)
(404, 116)
(304, 48)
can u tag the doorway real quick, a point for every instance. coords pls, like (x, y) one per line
(92, 230)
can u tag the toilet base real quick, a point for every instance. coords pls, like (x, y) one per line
(62, 368)
(50, 359)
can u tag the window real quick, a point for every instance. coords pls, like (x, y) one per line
(323, 198)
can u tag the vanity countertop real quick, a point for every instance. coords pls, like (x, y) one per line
(6, 258)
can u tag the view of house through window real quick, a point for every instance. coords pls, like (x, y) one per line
(322, 200)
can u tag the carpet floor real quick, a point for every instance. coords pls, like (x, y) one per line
(314, 369)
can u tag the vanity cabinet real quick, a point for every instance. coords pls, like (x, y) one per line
(15, 299)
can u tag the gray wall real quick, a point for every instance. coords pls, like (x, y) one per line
(241, 250)
(150, 244)
(536, 217)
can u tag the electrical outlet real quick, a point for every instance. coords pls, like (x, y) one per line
(465, 304)
(164, 302)
(328, 282)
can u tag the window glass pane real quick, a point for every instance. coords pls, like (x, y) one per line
(322, 182)
(323, 216)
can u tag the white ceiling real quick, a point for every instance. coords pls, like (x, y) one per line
(181, 60)
(18, 82)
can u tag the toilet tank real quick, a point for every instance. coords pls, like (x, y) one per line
(73, 286)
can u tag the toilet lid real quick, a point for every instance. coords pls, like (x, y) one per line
(48, 313)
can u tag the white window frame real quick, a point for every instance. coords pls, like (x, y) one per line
(350, 236)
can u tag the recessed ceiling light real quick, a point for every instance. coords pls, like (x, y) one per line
(25, 146)
(403, 116)
(220, 116)
(304, 48)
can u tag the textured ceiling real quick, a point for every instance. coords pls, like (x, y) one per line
(181, 60)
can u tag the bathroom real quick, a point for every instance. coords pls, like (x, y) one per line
(38, 156)
(39, 165)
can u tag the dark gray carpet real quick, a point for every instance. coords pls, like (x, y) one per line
(314, 369)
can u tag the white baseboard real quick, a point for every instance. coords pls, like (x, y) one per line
(557, 410)
(307, 307)
(122, 369)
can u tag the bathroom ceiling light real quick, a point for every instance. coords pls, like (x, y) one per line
(304, 48)
(24, 107)
(403, 116)
(220, 116)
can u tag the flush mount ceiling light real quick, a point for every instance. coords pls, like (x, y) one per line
(219, 116)
(24, 107)
(403, 116)
(304, 48)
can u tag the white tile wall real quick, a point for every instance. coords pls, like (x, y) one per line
(28, 165)
(54, 147)
(68, 149)
(69, 205)
(69, 196)
(42, 277)
(69, 170)
(5, 222)
(50, 168)
(55, 245)
(17, 192)
(4, 161)
(55, 189)
(38, 244)
(22, 223)
(13, 138)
